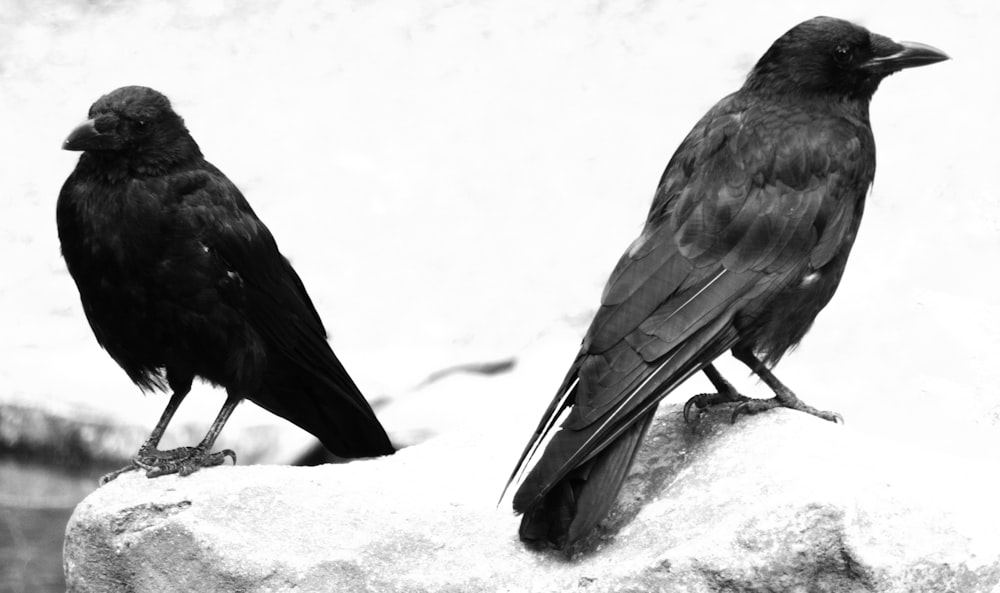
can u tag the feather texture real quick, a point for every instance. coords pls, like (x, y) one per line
(179, 277)
(745, 242)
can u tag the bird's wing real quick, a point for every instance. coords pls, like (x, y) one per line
(260, 281)
(743, 207)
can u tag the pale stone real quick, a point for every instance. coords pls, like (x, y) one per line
(777, 502)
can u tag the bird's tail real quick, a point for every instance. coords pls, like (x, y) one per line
(578, 502)
(356, 431)
(575, 481)
(330, 406)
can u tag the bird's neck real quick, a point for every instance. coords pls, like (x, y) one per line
(851, 107)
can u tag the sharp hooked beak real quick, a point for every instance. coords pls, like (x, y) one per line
(87, 137)
(909, 55)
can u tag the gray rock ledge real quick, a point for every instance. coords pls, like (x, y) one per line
(777, 502)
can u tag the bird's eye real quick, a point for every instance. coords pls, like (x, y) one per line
(842, 54)
(141, 124)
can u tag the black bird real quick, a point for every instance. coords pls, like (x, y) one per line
(745, 242)
(180, 279)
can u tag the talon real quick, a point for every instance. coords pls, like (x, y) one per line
(703, 401)
(783, 397)
(742, 408)
(183, 461)
(687, 408)
(112, 475)
(831, 416)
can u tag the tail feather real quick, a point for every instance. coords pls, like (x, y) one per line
(331, 408)
(571, 447)
(576, 480)
(564, 399)
(575, 506)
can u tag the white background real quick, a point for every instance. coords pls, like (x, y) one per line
(455, 180)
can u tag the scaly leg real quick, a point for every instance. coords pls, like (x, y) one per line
(187, 460)
(725, 394)
(783, 396)
(183, 460)
(148, 449)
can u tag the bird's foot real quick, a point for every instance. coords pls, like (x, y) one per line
(703, 401)
(750, 406)
(783, 396)
(111, 476)
(754, 406)
(182, 461)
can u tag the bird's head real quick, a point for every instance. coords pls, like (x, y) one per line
(137, 126)
(836, 58)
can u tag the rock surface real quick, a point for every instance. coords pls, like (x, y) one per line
(777, 502)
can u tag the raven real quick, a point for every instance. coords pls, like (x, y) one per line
(180, 279)
(745, 242)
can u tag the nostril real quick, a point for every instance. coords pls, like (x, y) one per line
(105, 123)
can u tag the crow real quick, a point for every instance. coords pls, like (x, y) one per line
(180, 279)
(745, 242)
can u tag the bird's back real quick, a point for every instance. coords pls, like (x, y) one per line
(760, 195)
(746, 241)
(773, 187)
(177, 275)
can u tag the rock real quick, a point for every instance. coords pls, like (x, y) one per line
(777, 502)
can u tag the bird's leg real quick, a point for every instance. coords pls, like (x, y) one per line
(187, 460)
(182, 460)
(724, 393)
(148, 451)
(783, 396)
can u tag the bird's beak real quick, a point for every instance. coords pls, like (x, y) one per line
(87, 137)
(908, 54)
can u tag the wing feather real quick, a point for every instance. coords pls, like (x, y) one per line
(736, 216)
(270, 293)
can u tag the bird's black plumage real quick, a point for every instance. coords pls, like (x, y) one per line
(746, 241)
(180, 279)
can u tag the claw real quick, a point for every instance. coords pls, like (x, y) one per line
(692, 402)
(183, 461)
(834, 417)
(754, 406)
(706, 400)
(740, 409)
(194, 463)
(112, 475)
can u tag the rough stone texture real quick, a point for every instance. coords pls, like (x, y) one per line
(777, 502)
